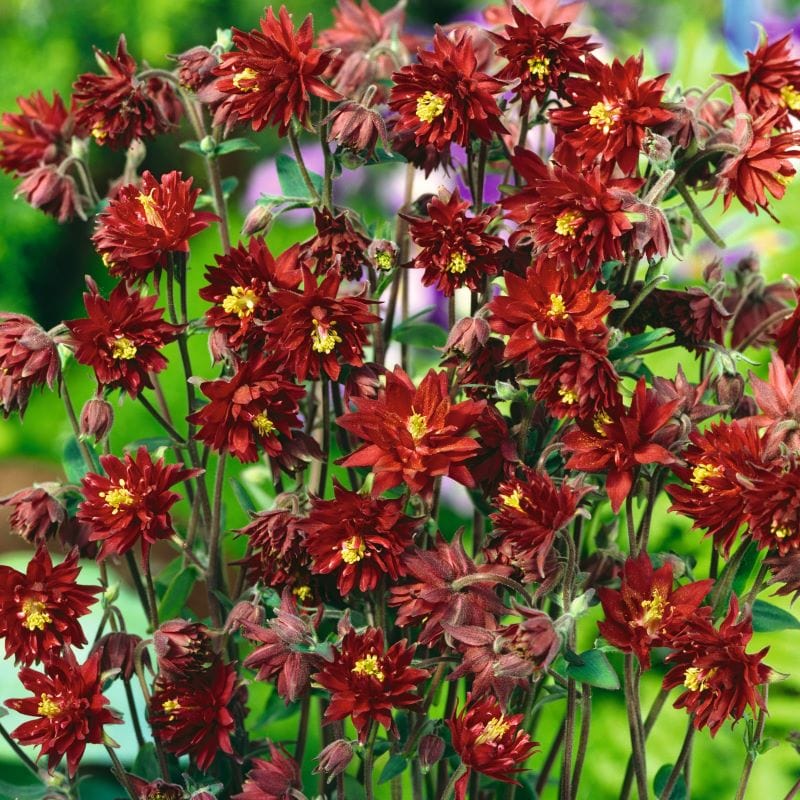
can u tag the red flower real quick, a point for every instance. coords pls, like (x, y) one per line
(772, 507)
(771, 80)
(646, 612)
(36, 514)
(39, 610)
(256, 406)
(779, 401)
(121, 338)
(285, 649)
(539, 56)
(191, 713)
(240, 288)
(787, 336)
(182, 648)
(448, 588)
(620, 441)
(763, 163)
(357, 127)
(413, 434)
(131, 502)
(358, 537)
(531, 511)
(489, 742)
(271, 780)
(117, 107)
(455, 249)
(271, 76)
(444, 98)
(53, 193)
(196, 67)
(336, 246)
(720, 677)
(366, 681)
(69, 708)
(786, 571)
(752, 304)
(317, 329)
(611, 110)
(146, 222)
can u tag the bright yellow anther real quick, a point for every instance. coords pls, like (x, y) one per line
(457, 263)
(324, 337)
(119, 497)
(263, 424)
(353, 550)
(430, 106)
(417, 426)
(47, 706)
(568, 396)
(35, 615)
(240, 301)
(150, 211)
(513, 500)
(539, 66)
(170, 707)
(568, 222)
(123, 349)
(493, 730)
(247, 74)
(558, 309)
(701, 473)
(790, 98)
(603, 116)
(369, 666)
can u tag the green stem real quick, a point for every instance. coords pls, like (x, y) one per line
(649, 723)
(326, 435)
(450, 789)
(137, 728)
(301, 165)
(121, 775)
(302, 733)
(686, 749)
(698, 216)
(21, 754)
(214, 574)
(635, 726)
(583, 741)
(369, 761)
(151, 593)
(752, 750)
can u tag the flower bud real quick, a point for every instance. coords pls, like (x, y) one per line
(356, 127)
(244, 612)
(195, 67)
(258, 219)
(657, 148)
(155, 790)
(35, 513)
(729, 390)
(335, 758)
(97, 417)
(117, 651)
(431, 749)
(468, 336)
(363, 382)
(182, 646)
(382, 254)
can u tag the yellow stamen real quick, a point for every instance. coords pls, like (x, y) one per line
(696, 679)
(48, 707)
(247, 74)
(369, 666)
(263, 424)
(151, 213)
(568, 396)
(353, 550)
(539, 66)
(117, 498)
(653, 609)
(384, 260)
(430, 106)
(493, 730)
(603, 116)
(790, 98)
(107, 262)
(324, 337)
(35, 615)
(241, 302)
(599, 422)
(780, 531)
(568, 222)
(783, 180)
(512, 500)
(99, 132)
(457, 263)
(171, 706)
(417, 426)
(701, 473)
(302, 593)
(123, 349)
(558, 309)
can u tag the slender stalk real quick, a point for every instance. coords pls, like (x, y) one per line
(550, 759)
(698, 216)
(450, 789)
(686, 749)
(752, 751)
(723, 585)
(302, 733)
(369, 761)
(417, 788)
(583, 741)
(21, 754)
(793, 792)
(121, 775)
(212, 167)
(633, 546)
(301, 164)
(214, 575)
(757, 586)
(154, 413)
(151, 593)
(765, 326)
(327, 183)
(634, 724)
(326, 435)
(73, 421)
(137, 728)
(138, 585)
(649, 723)
(569, 737)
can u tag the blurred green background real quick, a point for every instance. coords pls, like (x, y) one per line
(44, 44)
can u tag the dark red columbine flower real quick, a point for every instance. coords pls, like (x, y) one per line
(443, 98)
(117, 107)
(334, 759)
(284, 650)
(39, 609)
(367, 681)
(272, 780)
(787, 336)
(772, 507)
(785, 570)
(778, 399)
(646, 612)
(539, 56)
(118, 652)
(190, 713)
(131, 502)
(336, 246)
(413, 435)
(156, 790)
(359, 538)
(752, 303)
(28, 358)
(719, 676)
(256, 406)
(196, 67)
(53, 192)
(771, 80)
(36, 514)
(182, 647)
(317, 329)
(357, 127)
(69, 709)
(620, 440)
(531, 510)
(763, 163)
(489, 742)
(455, 249)
(146, 222)
(448, 587)
(271, 75)
(498, 455)
(121, 338)
(240, 289)
(611, 109)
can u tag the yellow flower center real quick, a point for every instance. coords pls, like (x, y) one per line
(539, 66)
(47, 706)
(106, 259)
(324, 337)
(790, 98)
(558, 309)
(353, 550)
(263, 424)
(457, 263)
(696, 679)
(430, 106)
(369, 666)
(170, 707)
(703, 472)
(568, 396)
(783, 180)
(417, 426)
(119, 497)
(512, 500)
(568, 222)
(123, 349)
(151, 213)
(603, 116)
(241, 302)
(599, 422)
(302, 593)
(99, 132)
(493, 730)
(35, 614)
(780, 531)
(653, 609)
(247, 74)
(384, 260)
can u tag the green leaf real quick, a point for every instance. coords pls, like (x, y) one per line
(384, 281)
(633, 344)
(192, 147)
(592, 667)
(660, 781)
(743, 573)
(395, 766)
(177, 593)
(767, 617)
(420, 334)
(29, 792)
(146, 764)
(165, 576)
(234, 145)
(73, 461)
(291, 179)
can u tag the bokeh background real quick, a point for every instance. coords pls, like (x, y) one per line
(44, 44)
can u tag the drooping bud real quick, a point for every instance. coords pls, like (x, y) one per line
(242, 613)
(468, 336)
(335, 758)
(431, 750)
(258, 220)
(117, 651)
(36, 514)
(182, 647)
(97, 417)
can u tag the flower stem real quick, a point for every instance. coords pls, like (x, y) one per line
(450, 789)
(21, 754)
(649, 723)
(698, 216)
(137, 728)
(683, 756)
(121, 776)
(583, 741)
(301, 165)
(138, 585)
(326, 435)
(369, 761)
(302, 731)
(752, 750)
(635, 726)
(151, 593)
(214, 574)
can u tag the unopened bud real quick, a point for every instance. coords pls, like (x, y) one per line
(208, 145)
(730, 390)
(258, 219)
(431, 749)
(97, 417)
(335, 758)
(468, 335)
